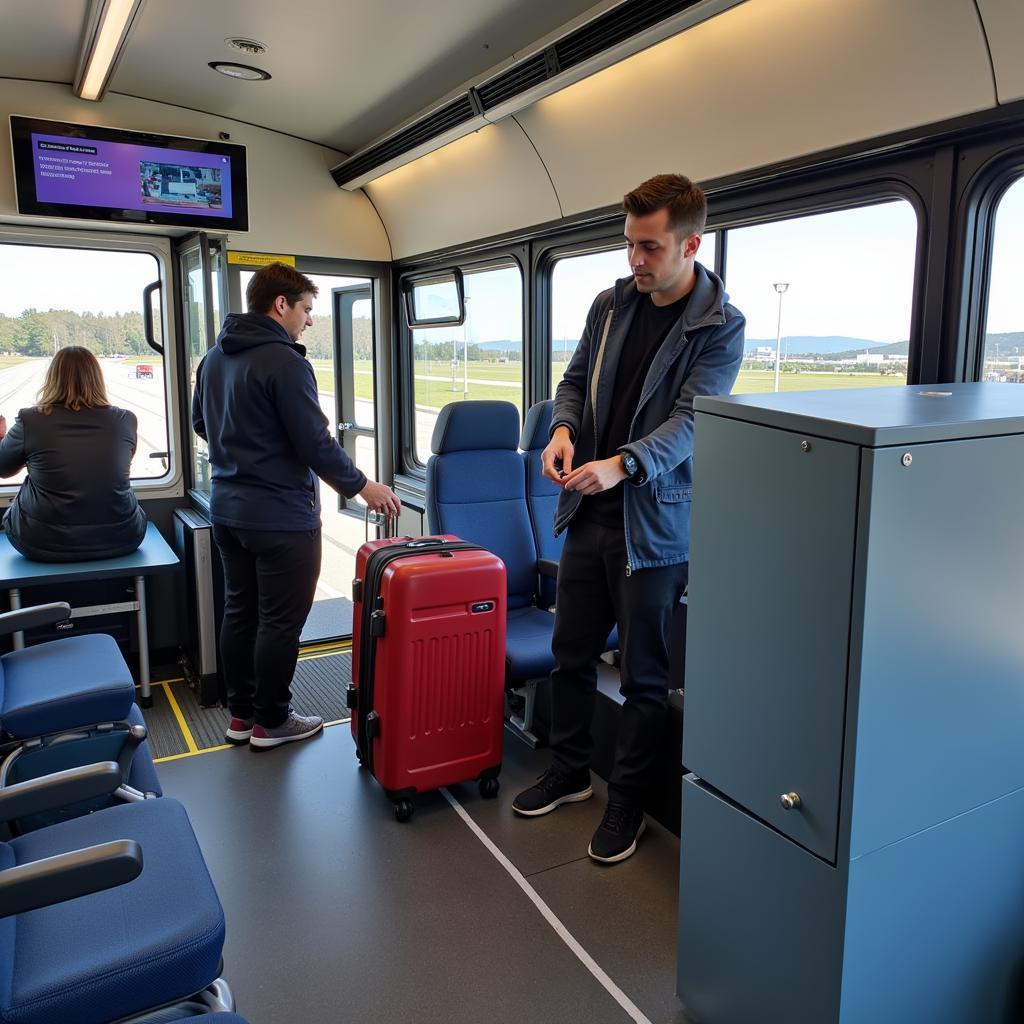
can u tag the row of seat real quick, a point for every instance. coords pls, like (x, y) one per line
(485, 484)
(107, 909)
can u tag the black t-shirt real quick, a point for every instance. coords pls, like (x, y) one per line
(651, 325)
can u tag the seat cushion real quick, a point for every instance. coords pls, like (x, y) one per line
(110, 954)
(64, 684)
(528, 644)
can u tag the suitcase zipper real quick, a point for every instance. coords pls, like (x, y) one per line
(371, 626)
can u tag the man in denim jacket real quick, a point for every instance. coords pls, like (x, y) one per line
(621, 449)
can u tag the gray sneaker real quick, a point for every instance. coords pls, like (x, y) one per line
(294, 727)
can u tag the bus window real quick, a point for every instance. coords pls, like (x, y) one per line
(481, 359)
(576, 281)
(53, 297)
(1004, 325)
(827, 297)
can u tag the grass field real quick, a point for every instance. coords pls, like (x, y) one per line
(492, 380)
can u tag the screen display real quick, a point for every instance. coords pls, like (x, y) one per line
(106, 174)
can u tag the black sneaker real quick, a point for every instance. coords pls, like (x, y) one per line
(617, 835)
(556, 786)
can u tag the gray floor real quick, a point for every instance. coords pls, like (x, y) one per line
(338, 913)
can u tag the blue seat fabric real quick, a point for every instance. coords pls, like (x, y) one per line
(476, 488)
(103, 956)
(63, 684)
(541, 493)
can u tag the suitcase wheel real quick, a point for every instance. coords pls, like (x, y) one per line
(489, 788)
(359, 758)
(404, 809)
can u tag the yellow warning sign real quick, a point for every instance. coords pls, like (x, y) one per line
(258, 259)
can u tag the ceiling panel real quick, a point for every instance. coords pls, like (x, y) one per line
(1004, 29)
(40, 40)
(343, 72)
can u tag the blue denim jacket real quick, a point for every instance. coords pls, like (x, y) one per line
(700, 356)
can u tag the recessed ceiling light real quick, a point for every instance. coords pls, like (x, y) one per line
(243, 71)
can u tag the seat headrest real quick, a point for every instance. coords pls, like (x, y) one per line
(472, 426)
(537, 427)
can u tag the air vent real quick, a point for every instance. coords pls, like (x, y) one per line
(615, 26)
(252, 47)
(525, 75)
(440, 121)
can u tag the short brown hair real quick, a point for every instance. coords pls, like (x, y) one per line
(74, 379)
(276, 279)
(687, 207)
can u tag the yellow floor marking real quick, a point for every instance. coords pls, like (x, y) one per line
(182, 724)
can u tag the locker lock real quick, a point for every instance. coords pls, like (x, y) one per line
(790, 801)
(907, 459)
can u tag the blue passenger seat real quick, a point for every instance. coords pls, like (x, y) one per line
(66, 703)
(541, 495)
(476, 489)
(106, 916)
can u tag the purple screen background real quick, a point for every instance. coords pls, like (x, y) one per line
(121, 189)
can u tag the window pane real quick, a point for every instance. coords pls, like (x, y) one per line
(54, 297)
(831, 293)
(576, 281)
(1004, 326)
(481, 359)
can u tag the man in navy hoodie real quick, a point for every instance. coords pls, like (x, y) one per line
(256, 406)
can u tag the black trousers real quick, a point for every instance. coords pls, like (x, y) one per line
(269, 584)
(593, 593)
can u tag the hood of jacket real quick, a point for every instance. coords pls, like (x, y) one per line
(245, 331)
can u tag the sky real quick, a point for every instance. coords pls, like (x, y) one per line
(849, 273)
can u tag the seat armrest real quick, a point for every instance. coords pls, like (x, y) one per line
(48, 792)
(42, 883)
(37, 615)
(547, 567)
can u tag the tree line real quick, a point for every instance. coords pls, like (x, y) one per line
(37, 333)
(40, 333)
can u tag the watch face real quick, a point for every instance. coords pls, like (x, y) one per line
(629, 464)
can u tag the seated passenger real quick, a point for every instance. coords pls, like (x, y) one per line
(76, 502)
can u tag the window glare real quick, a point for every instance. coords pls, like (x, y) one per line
(1004, 326)
(482, 359)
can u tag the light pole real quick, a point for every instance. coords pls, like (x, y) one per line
(780, 287)
(465, 353)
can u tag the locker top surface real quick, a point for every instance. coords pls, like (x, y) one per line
(880, 417)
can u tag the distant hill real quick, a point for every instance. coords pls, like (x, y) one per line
(815, 345)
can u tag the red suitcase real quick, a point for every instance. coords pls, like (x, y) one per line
(428, 665)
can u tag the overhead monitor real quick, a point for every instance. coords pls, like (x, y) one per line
(84, 171)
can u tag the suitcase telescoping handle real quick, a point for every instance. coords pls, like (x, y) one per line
(376, 518)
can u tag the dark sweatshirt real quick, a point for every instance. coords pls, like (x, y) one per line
(256, 405)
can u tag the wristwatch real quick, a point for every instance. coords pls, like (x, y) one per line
(629, 464)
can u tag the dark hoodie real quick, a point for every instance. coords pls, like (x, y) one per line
(256, 405)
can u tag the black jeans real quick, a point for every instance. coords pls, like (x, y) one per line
(594, 593)
(269, 584)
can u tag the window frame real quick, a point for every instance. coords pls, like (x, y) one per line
(996, 170)
(411, 473)
(170, 484)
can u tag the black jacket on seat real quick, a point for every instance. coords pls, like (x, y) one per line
(76, 502)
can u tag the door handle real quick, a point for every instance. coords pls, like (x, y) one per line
(342, 427)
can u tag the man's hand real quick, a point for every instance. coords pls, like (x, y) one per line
(380, 498)
(556, 459)
(595, 477)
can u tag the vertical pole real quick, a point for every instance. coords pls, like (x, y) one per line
(145, 697)
(18, 637)
(778, 342)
